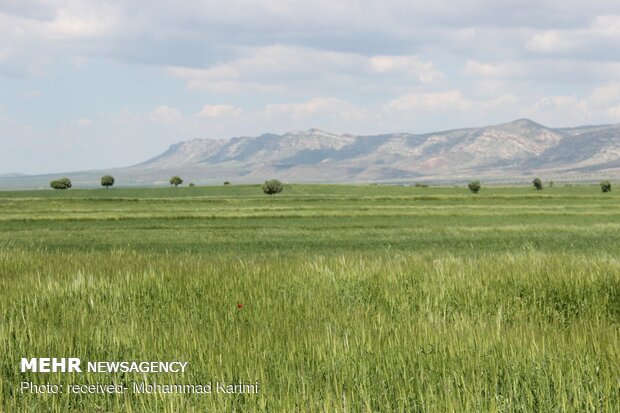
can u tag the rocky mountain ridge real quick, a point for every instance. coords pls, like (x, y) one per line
(518, 148)
(508, 152)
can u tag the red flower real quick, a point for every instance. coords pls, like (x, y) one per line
(239, 306)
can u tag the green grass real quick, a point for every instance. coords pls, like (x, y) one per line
(356, 298)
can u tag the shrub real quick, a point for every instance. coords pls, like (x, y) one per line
(272, 187)
(176, 181)
(606, 186)
(537, 184)
(62, 183)
(474, 186)
(226, 183)
(107, 181)
(192, 184)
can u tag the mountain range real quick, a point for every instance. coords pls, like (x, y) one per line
(509, 152)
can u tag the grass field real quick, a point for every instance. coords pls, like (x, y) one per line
(356, 298)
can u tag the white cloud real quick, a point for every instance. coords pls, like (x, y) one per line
(606, 94)
(84, 122)
(424, 71)
(512, 69)
(218, 111)
(598, 39)
(165, 115)
(599, 106)
(606, 25)
(553, 41)
(442, 101)
(331, 107)
(359, 66)
(554, 107)
(614, 113)
(85, 20)
(276, 68)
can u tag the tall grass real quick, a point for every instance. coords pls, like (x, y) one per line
(355, 299)
(515, 332)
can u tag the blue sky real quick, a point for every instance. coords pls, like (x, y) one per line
(91, 85)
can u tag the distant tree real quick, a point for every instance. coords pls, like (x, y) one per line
(272, 187)
(62, 183)
(226, 183)
(537, 184)
(107, 181)
(176, 181)
(606, 186)
(474, 186)
(192, 184)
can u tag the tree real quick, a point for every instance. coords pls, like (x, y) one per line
(107, 181)
(176, 181)
(606, 186)
(537, 184)
(474, 186)
(192, 184)
(62, 183)
(226, 183)
(272, 187)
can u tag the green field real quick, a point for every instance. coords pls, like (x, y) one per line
(355, 298)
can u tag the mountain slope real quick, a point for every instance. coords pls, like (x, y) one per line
(507, 152)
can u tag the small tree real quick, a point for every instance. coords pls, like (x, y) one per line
(606, 186)
(107, 181)
(176, 181)
(272, 187)
(192, 184)
(537, 184)
(62, 183)
(226, 183)
(474, 186)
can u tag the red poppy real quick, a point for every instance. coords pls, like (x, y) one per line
(239, 306)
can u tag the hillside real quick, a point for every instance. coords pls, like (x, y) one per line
(507, 152)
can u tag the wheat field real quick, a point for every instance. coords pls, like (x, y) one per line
(333, 298)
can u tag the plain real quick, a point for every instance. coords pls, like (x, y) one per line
(353, 298)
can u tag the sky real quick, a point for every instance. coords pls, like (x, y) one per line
(99, 84)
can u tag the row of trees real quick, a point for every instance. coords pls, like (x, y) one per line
(274, 186)
(474, 186)
(270, 187)
(65, 183)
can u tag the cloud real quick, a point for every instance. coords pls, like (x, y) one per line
(330, 106)
(285, 69)
(165, 115)
(549, 108)
(84, 122)
(614, 112)
(218, 111)
(424, 71)
(225, 68)
(443, 101)
(605, 95)
(201, 34)
(502, 70)
(599, 106)
(599, 39)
